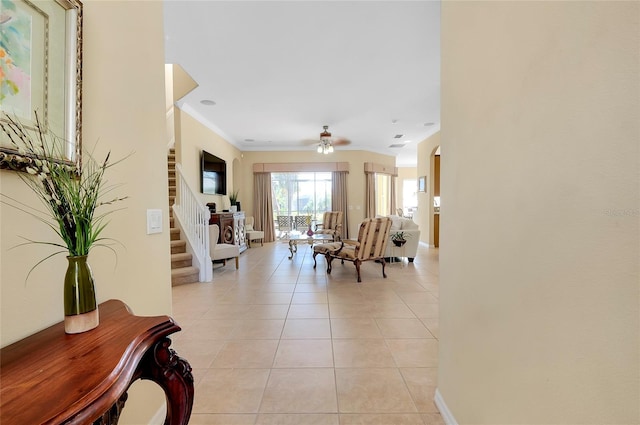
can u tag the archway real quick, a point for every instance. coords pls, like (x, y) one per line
(434, 198)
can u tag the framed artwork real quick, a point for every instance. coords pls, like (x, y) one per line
(41, 69)
(422, 184)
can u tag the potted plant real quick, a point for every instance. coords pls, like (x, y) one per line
(399, 238)
(74, 201)
(233, 199)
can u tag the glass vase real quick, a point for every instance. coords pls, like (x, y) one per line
(80, 307)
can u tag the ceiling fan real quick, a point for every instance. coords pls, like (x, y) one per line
(326, 142)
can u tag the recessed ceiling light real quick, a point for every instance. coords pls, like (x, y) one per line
(208, 102)
(398, 136)
(428, 124)
(249, 140)
(397, 145)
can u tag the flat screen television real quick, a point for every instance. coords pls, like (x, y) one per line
(213, 172)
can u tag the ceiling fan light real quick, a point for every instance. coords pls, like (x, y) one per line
(325, 146)
(325, 136)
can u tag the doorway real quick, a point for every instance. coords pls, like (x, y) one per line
(435, 201)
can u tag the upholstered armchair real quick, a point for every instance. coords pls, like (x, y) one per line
(331, 224)
(252, 234)
(370, 245)
(221, 251)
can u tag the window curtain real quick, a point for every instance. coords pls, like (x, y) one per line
(393, 201)
(370, 195)
(339, 190)
(263, 206)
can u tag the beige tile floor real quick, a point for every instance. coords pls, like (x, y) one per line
(277, 342)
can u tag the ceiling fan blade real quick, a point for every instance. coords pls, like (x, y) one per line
(341, 141)
(309, 142)
(335, 141)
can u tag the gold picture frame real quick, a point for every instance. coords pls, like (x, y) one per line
(41, 62)
(422, 184)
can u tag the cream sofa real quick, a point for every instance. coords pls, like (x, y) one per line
(412, 232)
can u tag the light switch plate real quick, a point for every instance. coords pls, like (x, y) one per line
(154, 221)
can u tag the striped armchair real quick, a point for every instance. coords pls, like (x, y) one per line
(372, 241)
(331, 224)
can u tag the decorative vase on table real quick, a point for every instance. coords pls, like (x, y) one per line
(74, 195)
(80, 306)
(399, 242)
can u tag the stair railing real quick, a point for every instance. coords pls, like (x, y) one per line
(193, 219)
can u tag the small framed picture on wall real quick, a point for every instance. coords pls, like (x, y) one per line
(422, 184)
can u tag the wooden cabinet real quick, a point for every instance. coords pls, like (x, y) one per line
(225, 223)
(436, 192)
(239, 231)
(436, 175)
(232, 228)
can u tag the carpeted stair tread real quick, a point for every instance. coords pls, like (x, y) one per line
(178, 246)
(184, 275)
(181, 259)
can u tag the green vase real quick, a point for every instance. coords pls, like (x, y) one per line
(80, 307)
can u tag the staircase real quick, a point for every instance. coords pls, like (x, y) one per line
(181, 269)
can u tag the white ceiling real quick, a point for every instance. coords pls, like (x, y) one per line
(280, 70)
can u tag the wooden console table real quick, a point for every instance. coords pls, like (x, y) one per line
(54, 378)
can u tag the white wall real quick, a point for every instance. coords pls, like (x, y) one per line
(540, 244)
(123, 111)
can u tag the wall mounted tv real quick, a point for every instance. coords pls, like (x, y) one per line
(213, 172)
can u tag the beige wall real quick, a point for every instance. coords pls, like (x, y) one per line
(192, 139)
(123, 111)
(539, 318)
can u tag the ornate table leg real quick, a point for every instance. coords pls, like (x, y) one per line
(293, 247)
(111, 416)
(163, 366)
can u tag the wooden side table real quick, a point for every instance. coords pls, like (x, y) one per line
(54, 378)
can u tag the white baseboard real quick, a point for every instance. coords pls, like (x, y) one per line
(446, 414)
(159, 417)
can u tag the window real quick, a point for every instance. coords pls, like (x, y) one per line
(409, 195)
(383, 194)
(304, 193)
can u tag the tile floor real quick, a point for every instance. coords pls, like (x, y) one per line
(277, 342)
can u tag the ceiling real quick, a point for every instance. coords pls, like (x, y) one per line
(280, 70)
